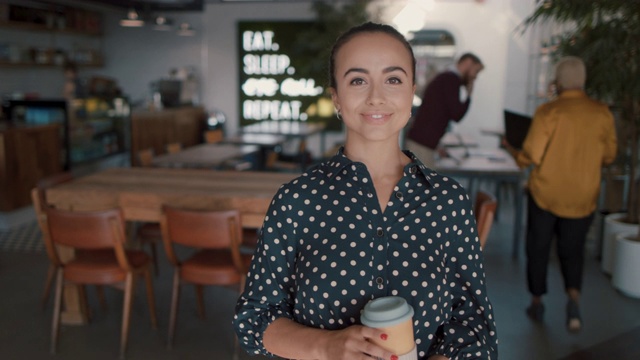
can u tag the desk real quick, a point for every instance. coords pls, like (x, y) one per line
(289, 129)
(211, 156)
(141, 192)
(451, 139)
(266, 142)
(493, 164)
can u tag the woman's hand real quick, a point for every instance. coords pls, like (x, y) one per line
(352, 344)
(288, 339)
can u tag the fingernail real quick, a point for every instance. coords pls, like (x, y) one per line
(394, 357)
(384, 336)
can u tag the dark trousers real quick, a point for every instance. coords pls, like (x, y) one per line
(570, 235)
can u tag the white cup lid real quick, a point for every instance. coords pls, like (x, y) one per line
(386, 311)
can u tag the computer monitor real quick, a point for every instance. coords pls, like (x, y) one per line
(516, 127)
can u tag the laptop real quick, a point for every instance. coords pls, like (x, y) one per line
(516, 127)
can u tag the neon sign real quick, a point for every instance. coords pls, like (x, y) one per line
(270, 86)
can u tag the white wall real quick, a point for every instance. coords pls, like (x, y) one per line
(138, 56)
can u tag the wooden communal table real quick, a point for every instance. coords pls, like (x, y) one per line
(141, 192)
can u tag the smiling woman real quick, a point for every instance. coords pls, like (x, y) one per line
(370, 222)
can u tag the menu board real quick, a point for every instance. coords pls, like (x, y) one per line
(274, 84)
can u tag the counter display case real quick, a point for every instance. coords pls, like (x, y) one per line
(97, 128)
(92, 129)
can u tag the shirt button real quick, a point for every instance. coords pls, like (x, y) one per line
(380, 282)
(399, 195)
(380, 232)
(370, 195)
(413, 169)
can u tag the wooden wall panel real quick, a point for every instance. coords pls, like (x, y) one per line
(28, 154)
(156, 129)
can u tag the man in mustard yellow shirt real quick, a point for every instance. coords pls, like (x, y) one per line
(570, 139)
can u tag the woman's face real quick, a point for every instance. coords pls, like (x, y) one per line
(374, 86)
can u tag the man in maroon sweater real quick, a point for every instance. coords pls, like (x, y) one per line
(441, 103)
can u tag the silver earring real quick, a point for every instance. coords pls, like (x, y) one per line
(339, 115)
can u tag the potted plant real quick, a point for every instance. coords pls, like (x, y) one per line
(606, 35)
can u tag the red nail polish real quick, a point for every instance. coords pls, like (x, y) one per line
(384, 337)
(394, 357)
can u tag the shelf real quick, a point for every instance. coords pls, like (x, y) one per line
(26, 26)
(61, 25)
(45, 65)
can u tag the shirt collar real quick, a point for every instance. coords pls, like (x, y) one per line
(339, 161)
(572, 94)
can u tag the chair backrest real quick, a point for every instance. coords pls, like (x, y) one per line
(173, 148)
(213, 136)
(145, 157)
(86, 229)
(271, 159)
(484, 210)
(43, 184)
(39, 199)
(203, 229)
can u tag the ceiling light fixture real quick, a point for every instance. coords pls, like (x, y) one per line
(162, 23)
(132, 19)
(185, 29)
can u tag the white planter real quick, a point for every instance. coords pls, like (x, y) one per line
(612, 227)
(625, 275)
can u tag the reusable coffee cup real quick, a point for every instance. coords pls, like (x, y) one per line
(393, 315)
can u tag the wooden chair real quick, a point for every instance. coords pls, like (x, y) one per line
(145, 157)
(173, 148)
(484, 210)
(213, 136)
(103, 234)
(39, 199)
(215, 238)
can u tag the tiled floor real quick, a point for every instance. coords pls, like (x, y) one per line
(25, 327)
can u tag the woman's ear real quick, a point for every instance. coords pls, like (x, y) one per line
(334, 98)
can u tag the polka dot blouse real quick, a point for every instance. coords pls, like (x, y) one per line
(325, 250)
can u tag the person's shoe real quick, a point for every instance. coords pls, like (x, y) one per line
(536, 312)
(574, 321)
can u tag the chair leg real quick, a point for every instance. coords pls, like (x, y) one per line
(84, 301)
(236, 348)
(200, 300)
(51, 274)
(154, 256)
(57, 308)
(101, 298)
(126, 313)
(175, 298)
(151, 298)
